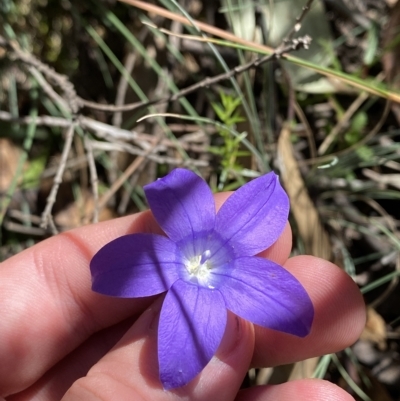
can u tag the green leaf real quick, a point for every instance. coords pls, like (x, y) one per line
(31, 176)
(364, 153)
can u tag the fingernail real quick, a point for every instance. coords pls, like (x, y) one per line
(232, 336)
(149, 318)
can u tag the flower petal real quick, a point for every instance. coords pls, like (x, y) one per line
(192, 323)
(182, 204)
(266, 294)
(253, 218)
(135, 265)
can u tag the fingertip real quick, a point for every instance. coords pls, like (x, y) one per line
(130, 369)
(337, 299)
(339, 315)
(220, 198)
(279, 251)
(237, 343)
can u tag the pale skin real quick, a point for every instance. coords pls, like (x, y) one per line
(61, 341)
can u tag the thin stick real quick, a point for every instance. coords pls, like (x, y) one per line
(23, 218)
(122, 88)
(361, 98)
(151, 8)
(125, 175)
(46, 216)
(19, 228)
(126, 196)
(93, 179)
(48, 89)
(54, 77)
(124, 147)
(105, 131)
(296, 44)
(50, 121)
(297, 25)
(123, 85)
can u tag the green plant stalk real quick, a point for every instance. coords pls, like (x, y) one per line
(156, 32)
(13, 101)
(220, 126)
(322, 367)
(250, 117)
(253, 118)
(231, 40)
(383, 280)
(355, 82)
(358, 83)
(105, 71)
(348, 379)
(154, 65)
(107, 51)
(350, 353)
(388, 233)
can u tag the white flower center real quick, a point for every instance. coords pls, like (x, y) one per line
(199, 267)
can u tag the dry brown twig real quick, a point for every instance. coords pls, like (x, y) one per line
(93, 179)
(62, 81)
(116, 137)
(47, 218)
(125, 175)
(295, 44)
(298, 23)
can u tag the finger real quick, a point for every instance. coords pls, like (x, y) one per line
(46, 291)
(299, 390)
(130, 370)
(56, 381)
(338, 321)
(280, 250)
(47, 303)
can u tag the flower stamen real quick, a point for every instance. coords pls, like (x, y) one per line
(199, 266)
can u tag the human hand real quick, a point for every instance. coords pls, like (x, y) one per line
(58, 337)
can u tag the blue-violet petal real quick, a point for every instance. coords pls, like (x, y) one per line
(192, 323)
(136, 265)
(182, 204)
(268, 295)
(254, 216)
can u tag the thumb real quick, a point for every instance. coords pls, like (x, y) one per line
(130, 370)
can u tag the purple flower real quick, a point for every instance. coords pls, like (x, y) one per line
(207, 265)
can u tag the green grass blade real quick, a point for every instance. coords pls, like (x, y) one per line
(348, 379)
